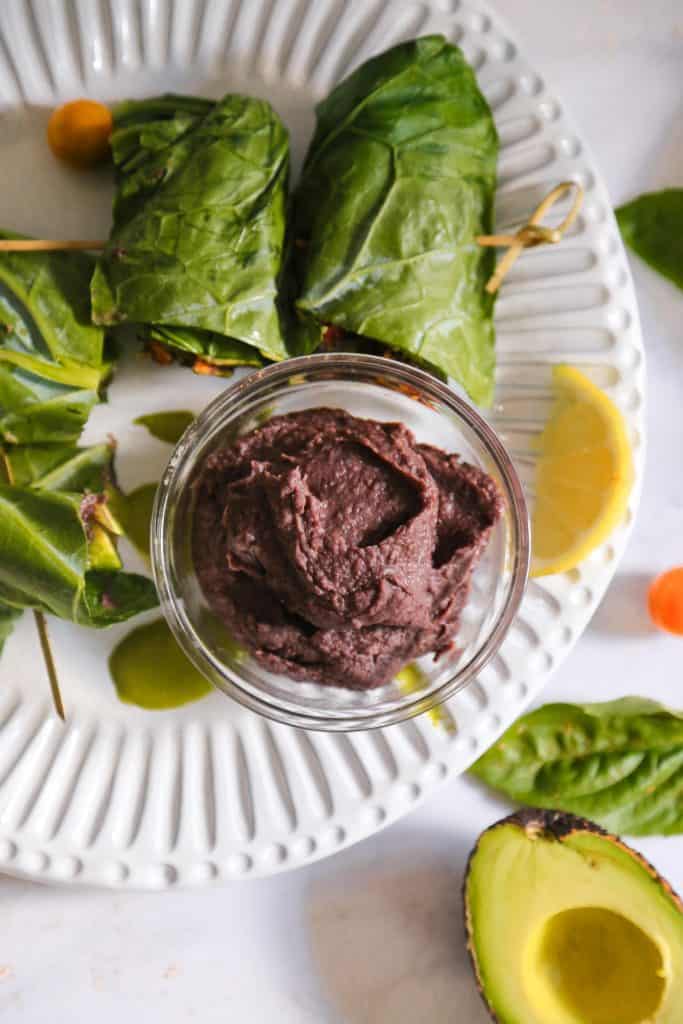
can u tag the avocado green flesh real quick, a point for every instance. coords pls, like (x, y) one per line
(150, 670)
(572, 930)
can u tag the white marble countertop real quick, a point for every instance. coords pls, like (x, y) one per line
(375, 934)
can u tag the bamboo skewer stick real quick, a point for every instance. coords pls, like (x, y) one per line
(46, 245)
(41, 623)
(530, 234)
(48, 658)
(533, 232)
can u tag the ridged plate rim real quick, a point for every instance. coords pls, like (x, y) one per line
(302, 796)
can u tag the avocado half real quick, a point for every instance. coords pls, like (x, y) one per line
(568, 925)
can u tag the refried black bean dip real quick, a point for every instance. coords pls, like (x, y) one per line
(337, 549)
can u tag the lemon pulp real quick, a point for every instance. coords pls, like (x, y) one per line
(583, 476)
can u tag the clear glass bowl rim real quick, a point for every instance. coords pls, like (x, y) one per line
(225, 407)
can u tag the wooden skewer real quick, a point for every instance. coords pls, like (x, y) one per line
(39, 618)
(533, 232)
(48, 658)
(45, 245)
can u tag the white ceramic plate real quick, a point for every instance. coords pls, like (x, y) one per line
(123, 796)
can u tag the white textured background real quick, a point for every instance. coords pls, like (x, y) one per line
(374, 935)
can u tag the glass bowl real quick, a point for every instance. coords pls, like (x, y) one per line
(375, 388)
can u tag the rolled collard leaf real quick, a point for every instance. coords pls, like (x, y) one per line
(48, 561)
(54, 467)
(58, 538)
(398, 182)
(52, 361)
(197, 243)
(214, 348)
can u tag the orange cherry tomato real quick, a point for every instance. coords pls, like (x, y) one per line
(78, 132)
(665, 601)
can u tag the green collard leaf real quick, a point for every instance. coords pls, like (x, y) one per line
(398, 181)
(43, 550)
(652, 225)
(207, 345)
(619, 763)
(58, 549)
(32, 413)
(54, 467)
(52, 360)
(134, 512)
(144, 132)
(102, 548)
(47, 307)
(8, 617)
(166, 426)
(116, 596)
(57, 556)
(199, 223)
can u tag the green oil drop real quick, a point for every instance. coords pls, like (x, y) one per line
(150, 670)
(411, 679)
(166, 426)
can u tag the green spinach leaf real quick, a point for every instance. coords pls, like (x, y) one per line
(619, 763)
(652, 225)
(199, 224)
(398, 181)
(52, 359)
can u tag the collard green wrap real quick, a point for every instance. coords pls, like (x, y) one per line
(52, 360)
(196, 248)
(54, 559)
(398, 181)
(57, 535)
(58, 538)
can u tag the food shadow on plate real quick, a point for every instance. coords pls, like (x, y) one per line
(387, 939)
(623, 610)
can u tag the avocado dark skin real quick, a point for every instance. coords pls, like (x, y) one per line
(556, 827)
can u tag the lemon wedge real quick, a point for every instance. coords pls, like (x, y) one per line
(583, 476)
